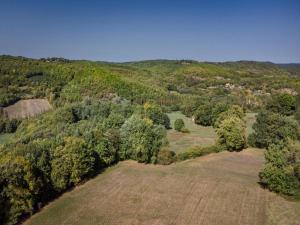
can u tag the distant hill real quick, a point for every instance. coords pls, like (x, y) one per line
(293, 68)
(166, 82)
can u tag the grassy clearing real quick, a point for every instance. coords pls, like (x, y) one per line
(215, 189)
(250, 120)
(198, 136)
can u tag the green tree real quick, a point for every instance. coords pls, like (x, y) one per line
(282, 103)
(71, 163)
(231, 133)
(179, 124)
(279, 174)
(155, 113)
(203, 115)
(141, 139)
(233, 110)
(272, 128)
(21, 184)
(217, 110)
(107, 146)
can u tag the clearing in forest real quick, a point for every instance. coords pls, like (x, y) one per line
(27, 108)
(199, 135)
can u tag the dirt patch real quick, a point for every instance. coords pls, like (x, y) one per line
(27, 108)
(211, 190)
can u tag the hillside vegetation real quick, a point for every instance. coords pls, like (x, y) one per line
(153, 112)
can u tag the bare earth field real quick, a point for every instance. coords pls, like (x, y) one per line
(217, 189)
(27, 108)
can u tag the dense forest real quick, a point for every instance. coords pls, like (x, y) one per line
(106, 112)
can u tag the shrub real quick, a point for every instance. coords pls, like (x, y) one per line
(185, 130)
(165, 157)
(231, 133)
(179, 124)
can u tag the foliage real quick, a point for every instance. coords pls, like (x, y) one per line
(232, 111)
(165, 157)
(279, 173)
(185, 130)
(141, 139)
(179, 124)
(284, 104)
(272, 128)
(8, 126)
(218, 109)
(203, 115)
(61, 148)
(92, 125)
(155, 113)
(71, 162)
(231, 133)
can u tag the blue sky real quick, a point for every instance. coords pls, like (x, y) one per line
(115, 30)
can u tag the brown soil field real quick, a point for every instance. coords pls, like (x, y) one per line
(27, 108)
(217, 189)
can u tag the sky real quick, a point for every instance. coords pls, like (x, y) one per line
(116, 30)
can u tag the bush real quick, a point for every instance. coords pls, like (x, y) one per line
(165, 157)
(231, 133)
(179, 124)
(185, 130)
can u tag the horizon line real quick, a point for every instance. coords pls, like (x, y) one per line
(151, 59)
